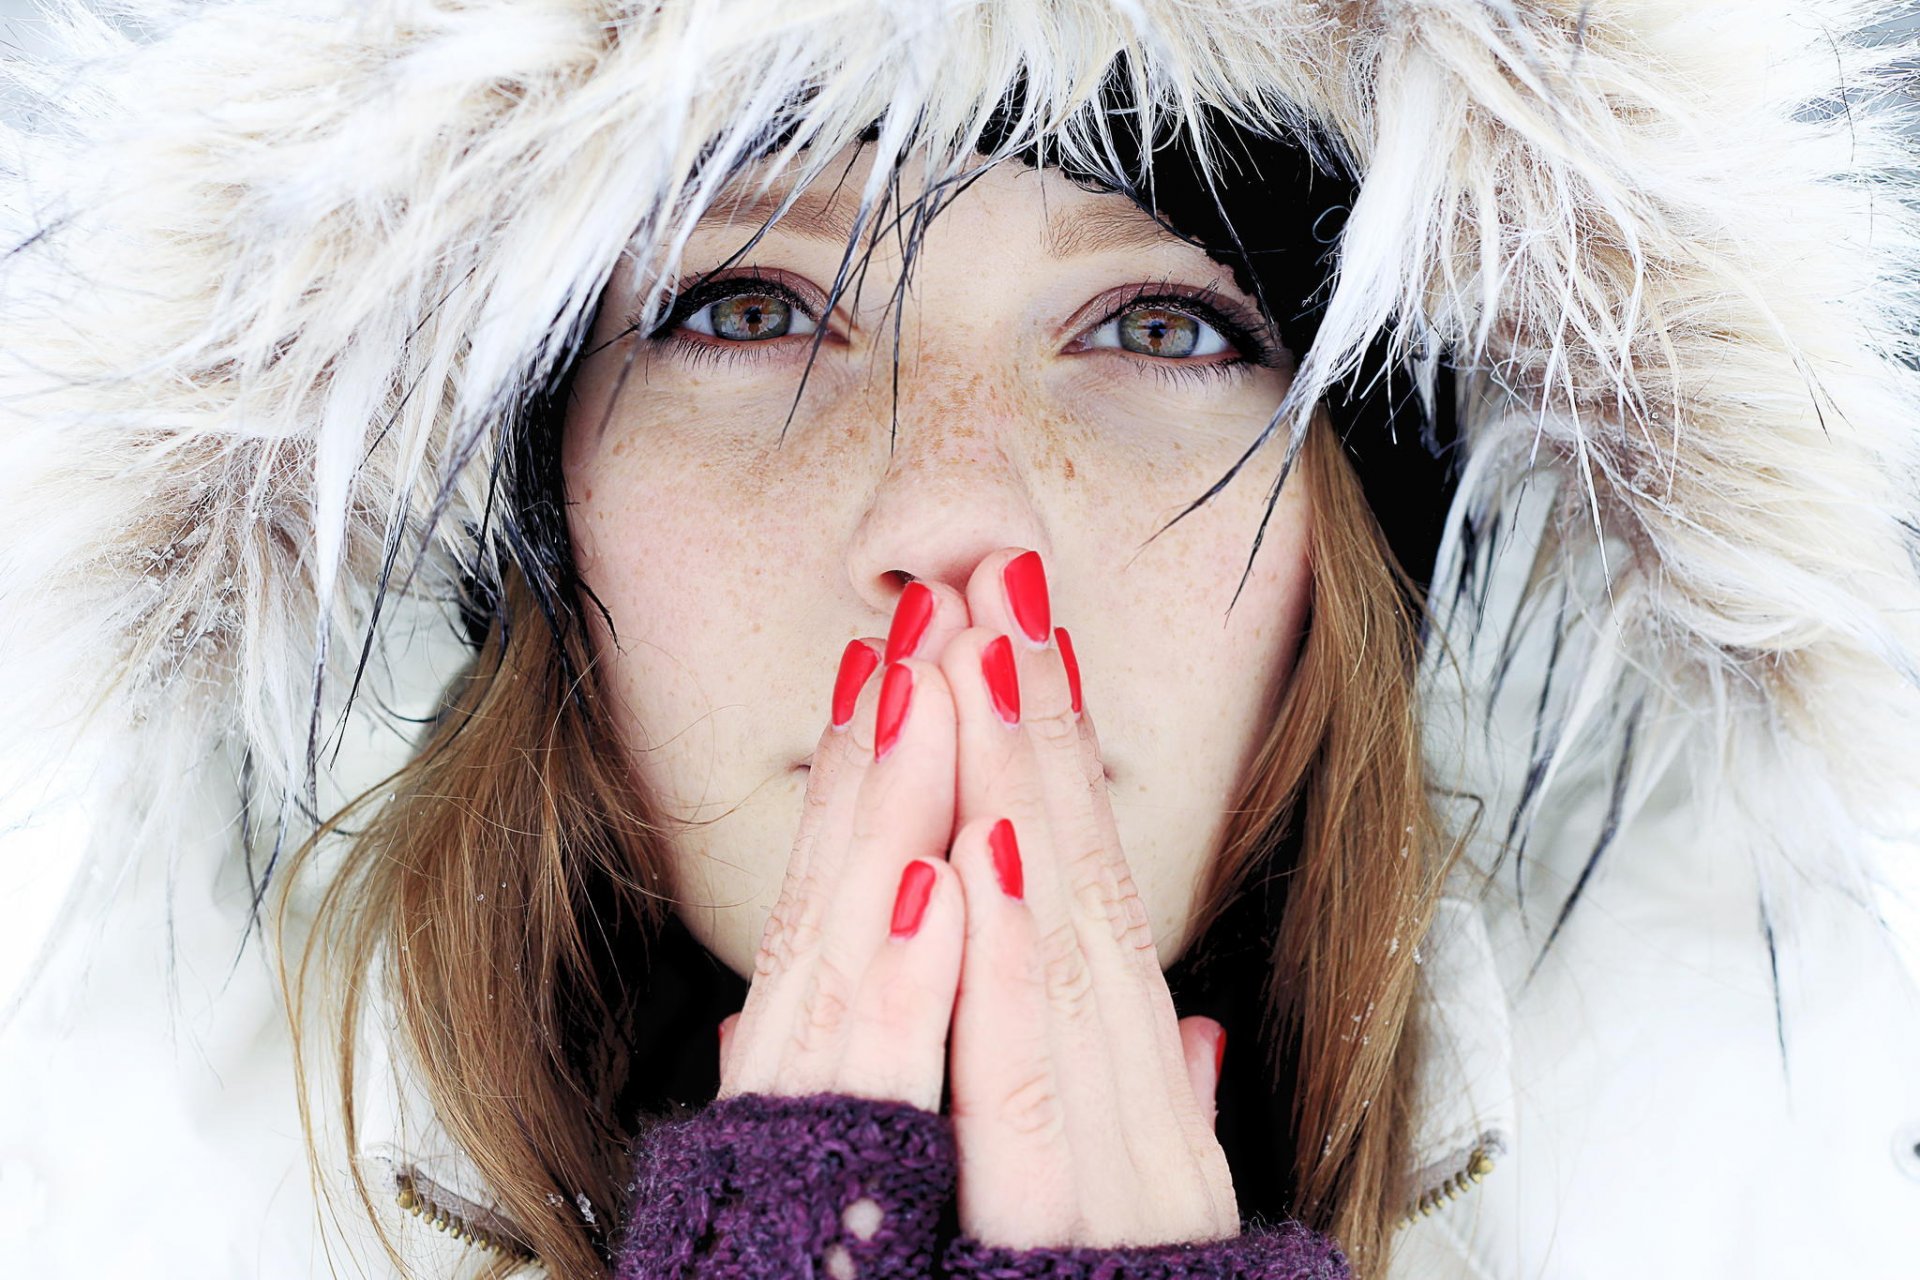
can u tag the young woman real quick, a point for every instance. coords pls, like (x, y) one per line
(878, 529)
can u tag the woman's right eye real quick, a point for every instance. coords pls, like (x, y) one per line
(752, 314)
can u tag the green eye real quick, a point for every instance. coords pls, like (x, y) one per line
(1154, 329)
(749, 317)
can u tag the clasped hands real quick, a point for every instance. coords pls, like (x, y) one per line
(957, 904)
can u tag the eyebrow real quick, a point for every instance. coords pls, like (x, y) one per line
(1091, 229)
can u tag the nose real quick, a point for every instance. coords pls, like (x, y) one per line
(953, 491)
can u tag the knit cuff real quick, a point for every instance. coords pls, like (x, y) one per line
(1289, 1251)
(756, 1185)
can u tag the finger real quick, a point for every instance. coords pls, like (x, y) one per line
(1029, 771)
(838, 764)
(1009, 1111)
(726, 1025)
(904, 810)
(1009, 592)
(995, 772)
(897, 1041)
(1010, 587)
(1204, 1043)
(1104, 976)
(925, 618)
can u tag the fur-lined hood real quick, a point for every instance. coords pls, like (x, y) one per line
(276, 275)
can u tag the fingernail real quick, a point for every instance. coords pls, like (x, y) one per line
(1006, 859)
(910, 617)
(1219, 1053)
(1026, 584)
(1003, 681)
(896, 695)
(856, 664)
(910, 904)
(1072, 664)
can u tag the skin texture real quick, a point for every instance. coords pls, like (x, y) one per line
(737, 567)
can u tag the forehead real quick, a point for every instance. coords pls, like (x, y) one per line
(1066, 220)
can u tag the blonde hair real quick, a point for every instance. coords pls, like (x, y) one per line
(516, 837)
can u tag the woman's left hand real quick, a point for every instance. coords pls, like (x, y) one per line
(1082, 1105)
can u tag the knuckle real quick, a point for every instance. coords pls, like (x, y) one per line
(1094, 899)
(773, 955)
(803, 932)
(1069, 979)
(1054, 729)
(1132, 926)
(793, 930)
(1032, 1108)
(825, 1010)
(816, 800)
(765, 963)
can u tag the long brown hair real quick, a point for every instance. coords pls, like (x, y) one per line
(499, 895)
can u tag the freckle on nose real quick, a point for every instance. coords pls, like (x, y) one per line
(1066, 467)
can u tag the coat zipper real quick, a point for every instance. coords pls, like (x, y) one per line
(1479, 1164)
(463, 1220)
(457, 1216)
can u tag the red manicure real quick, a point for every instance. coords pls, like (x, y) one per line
(1026, 583)
(910, 904)
(1072, 664)
(856, 664)
(1006, 859)
(1003, 681)
(896, 695)
(1219, 1053)
(910, 618)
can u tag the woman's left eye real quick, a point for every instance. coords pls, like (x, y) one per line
(1158, 329)
(749, 316)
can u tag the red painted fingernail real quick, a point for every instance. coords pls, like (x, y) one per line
(1026, 584)
(910, 618)
(910, 904)
(1006, 859)
(896, 695)
(1003, 681)
(1072, 664)
(1219, 1053)
(856, 664)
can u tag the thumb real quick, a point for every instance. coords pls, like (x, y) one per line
(726, 1026)
(1204, 1043)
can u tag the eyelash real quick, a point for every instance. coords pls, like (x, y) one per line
(1199, 303)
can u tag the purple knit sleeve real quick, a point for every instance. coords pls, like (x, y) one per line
(757, 1186)
(1289, 1251)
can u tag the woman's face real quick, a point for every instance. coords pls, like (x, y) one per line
(1070, 377)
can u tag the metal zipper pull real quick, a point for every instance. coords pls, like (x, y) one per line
(1478, 1165)
(457, 1216)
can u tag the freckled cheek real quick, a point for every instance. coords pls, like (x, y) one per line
(689, 555)
(1232, 656)
(640, 549)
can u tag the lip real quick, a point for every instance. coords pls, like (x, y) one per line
(805, 765)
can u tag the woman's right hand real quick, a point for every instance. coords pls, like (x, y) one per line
(854, 982)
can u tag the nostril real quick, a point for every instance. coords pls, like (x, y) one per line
(901, 577)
